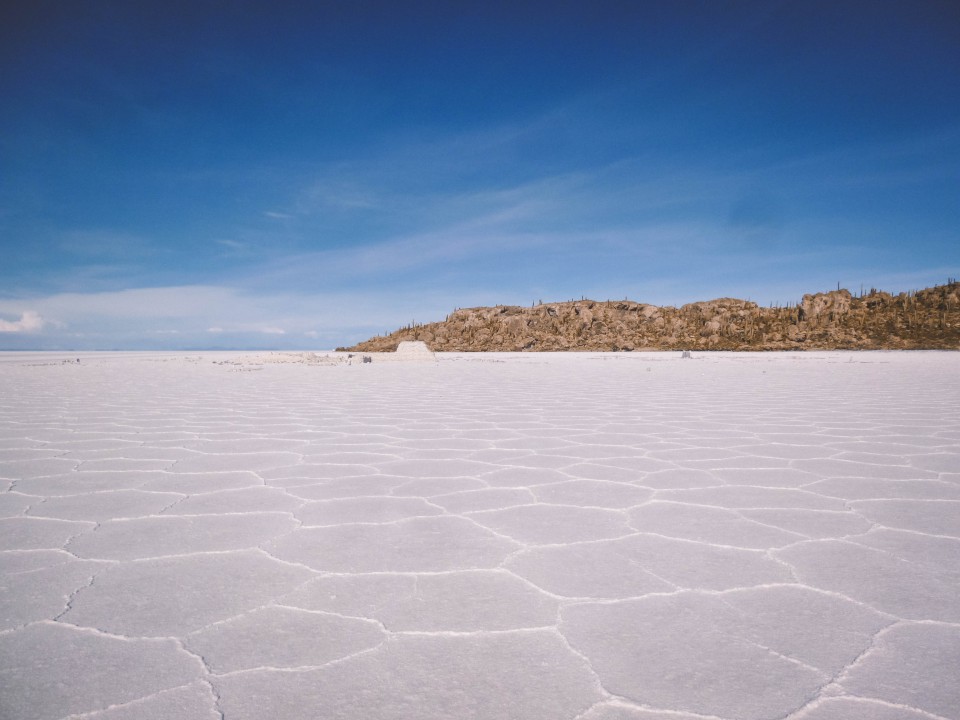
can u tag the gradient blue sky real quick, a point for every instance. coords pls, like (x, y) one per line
(305, 175)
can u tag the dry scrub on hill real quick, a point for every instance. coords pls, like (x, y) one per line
(926, 319)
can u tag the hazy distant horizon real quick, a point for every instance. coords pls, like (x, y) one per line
(290, 344)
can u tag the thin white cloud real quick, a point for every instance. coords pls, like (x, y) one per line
(337, 194)
(106, 243)
(247, 329)
(172, 302)
(232, 244)
(29, 322)
(129, 318)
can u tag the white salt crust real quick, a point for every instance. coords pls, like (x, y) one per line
(597, 536)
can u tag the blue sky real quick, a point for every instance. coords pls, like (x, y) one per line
(305, 175)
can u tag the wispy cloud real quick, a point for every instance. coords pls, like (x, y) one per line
(232, 316)
(639, 226)
(29, 322)
(412, 230)
(232, 244)
(332, 193)
(106, 244)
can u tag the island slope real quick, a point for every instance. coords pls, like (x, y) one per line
(836, 320)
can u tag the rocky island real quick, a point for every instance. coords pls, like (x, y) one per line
(836, 320)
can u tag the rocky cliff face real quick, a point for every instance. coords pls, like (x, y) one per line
(927, 319)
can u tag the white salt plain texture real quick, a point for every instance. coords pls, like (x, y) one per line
(595, 536)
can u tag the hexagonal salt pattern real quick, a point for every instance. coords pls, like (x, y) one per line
(595, 536)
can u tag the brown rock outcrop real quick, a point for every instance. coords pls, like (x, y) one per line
(926, 319)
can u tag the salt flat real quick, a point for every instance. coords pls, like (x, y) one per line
(607, 537)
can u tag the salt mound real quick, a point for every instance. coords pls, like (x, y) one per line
(414, 350)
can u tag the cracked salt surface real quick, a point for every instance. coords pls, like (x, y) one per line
(745, 537)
